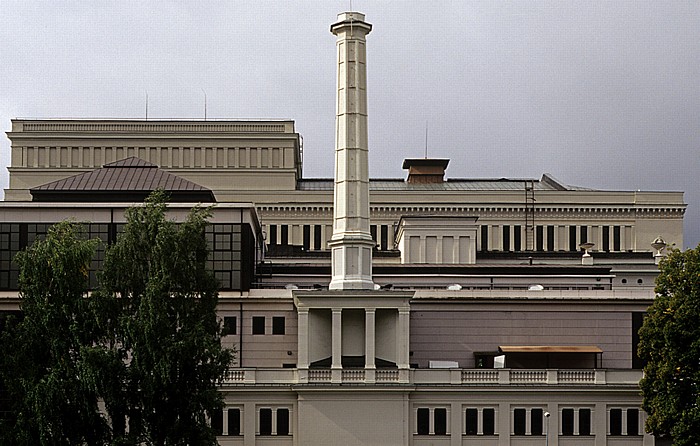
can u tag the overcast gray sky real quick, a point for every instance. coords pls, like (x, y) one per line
(599, 94)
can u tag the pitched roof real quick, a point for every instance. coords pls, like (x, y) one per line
(123, 179)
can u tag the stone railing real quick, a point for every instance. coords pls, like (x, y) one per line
(460, 377)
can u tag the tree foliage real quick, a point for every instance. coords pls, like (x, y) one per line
(167, 331)
(48, 354)
(670, 343)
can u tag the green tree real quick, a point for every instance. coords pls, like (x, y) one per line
(670, 343)
(167, 333)
(48, 364)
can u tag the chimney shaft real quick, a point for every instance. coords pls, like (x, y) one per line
(351, 243)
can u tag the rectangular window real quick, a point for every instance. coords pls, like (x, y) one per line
(637, 321)
(584, 234)
(258, 325)
(440, 421)
(373, 233)
(573, 246)
(616, 239)
(278, 325)
(536, 421)
(615, 421)
(519, 422)
(632, 421)
(423, 421)
(539, 238)
(472, 421)
(517, 238)
(282, 421)
(489, 421)
(217, 422)
(272, 235)
(317, 237)
(484, 238)
(307, 238)
(584, 421)
(506, 238)
(234, 422)
(567, 422)
(284, 235)
(229, 325)
(550, 238)
(606, 239)
(265, 421)
(385, 238)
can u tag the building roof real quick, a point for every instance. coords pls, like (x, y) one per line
(129, 179)
(547, 182)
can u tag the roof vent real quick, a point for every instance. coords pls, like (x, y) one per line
(426, 170)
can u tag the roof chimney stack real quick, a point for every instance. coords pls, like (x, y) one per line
(351, 243)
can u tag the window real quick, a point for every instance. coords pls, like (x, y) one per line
(234, 422)
(384, 245)
(265, 421)
(632, 421)
(278, 325)
(272, 236)
(616, 238)
(584, 234)
(472, 421)
(489, 421)
(584, 421)
(550, 238)
(307, 238)
(317, 237)
(439, 418)
(606, 239)
(573, 246)
(637, 321)
(258, 325)
(567, 422)
(284, 236)
(373, 233)
(506, 238)
(517, 238)
(273, 421)
(229, 325)
(282, 421)
(488, 417)
(484, 238)
(615, 421)
(520, 421)
(539, 238)
(423, 421)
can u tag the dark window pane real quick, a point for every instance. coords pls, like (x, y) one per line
(519, 421)
(385, 238)
(272, 236)
(229, 325)
(423, 421)
(539, 238)
(317, 237)
(584, 234)
(307, 238)
(632, 421)
(440, 421)
(550, 238)
(584, 421)
(471, 421)
(506, 238)
(278, 325)
(616, 238)
(567, 422)
(373, 233)
(536, 422)
(234, 421)
(489, 416)
(282, 421)
(517, 238)
(265, 421)
(217, 422)
(615, 421)
(284, 236)
(637, 321)
(258, 325)
(606, 239)
(572, 239)
(484, 238)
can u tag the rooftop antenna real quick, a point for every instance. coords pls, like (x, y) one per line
(426, 139)
(205, 103)
(146, 106)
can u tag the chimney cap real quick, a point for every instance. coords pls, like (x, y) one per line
(426, 162)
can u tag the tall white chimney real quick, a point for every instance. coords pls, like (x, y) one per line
(351, 243)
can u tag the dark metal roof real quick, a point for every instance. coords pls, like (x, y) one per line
(126, 179)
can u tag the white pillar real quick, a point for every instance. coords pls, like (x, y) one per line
(370, 338)
(303, 338)
(351, 243)
(337, 341)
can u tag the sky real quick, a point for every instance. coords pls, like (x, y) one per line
(601, 94)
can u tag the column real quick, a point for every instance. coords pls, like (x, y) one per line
(431, 421)
(224, 429)
(303, 343)
(370, 334)
(337, 345)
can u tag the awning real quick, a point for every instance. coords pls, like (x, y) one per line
(549, 349)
